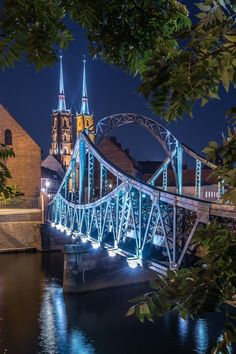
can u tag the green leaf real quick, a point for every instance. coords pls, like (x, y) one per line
(230, 38)
(203, 7)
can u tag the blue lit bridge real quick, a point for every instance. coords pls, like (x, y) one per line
(129, 217)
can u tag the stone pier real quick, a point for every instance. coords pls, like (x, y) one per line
(87, 269)
(20, 229)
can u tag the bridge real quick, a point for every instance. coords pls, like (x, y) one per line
(100, 203)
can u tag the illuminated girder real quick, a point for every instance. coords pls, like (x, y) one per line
(198, 175)
(134, 218)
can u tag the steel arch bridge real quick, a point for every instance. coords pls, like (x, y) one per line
(128, 216)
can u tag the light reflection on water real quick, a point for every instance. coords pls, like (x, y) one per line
(54, 335)
(183, 329)
(201, 336)
(43, 320)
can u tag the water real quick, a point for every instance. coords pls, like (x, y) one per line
(36, 317)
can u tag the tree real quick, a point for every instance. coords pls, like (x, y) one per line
(179, 63)
(121, 32)
(5, 190)
(208, 286)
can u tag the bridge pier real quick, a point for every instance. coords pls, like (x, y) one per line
(87, 269)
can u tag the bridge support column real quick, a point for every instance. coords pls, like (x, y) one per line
(86, 269)
(71, 269)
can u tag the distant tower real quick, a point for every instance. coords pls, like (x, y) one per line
(84, 120)
(62, 142)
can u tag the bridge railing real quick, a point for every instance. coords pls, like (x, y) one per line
(20, 202)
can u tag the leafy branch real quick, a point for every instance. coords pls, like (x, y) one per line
(5, 190)
(206, 287)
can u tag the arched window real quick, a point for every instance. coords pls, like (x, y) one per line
(8, 137)
(65, 151)
(64, 138)
(65, 124)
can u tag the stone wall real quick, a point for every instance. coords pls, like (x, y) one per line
(25, 167)
(19, 236)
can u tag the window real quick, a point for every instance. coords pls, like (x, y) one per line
(8, 137)
(65, 124)
(64, 138)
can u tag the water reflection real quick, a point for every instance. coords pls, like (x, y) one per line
(54, 334)
(201, 336)
(183, 329)
(42, 320)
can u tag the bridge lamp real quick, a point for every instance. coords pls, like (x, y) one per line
(83, 238)
(110, 185)
(58, 226)
(53, 224)
(62, 229)
(68, 232)
(95, 245)
(111, 252)
(133, 262)
(75, 235)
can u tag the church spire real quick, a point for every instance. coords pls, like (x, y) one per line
(61, 97)
(84, 101)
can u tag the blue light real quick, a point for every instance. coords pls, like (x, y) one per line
(201, 336)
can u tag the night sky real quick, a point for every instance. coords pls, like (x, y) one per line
(31, 96)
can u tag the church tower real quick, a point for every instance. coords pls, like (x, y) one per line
(61, 137)
(84, 120)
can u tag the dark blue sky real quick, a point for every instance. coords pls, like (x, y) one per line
(31, 96)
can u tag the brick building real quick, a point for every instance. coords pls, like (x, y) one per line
(120, 157)
(25, 167)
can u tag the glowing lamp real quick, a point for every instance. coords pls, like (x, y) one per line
(75, 235)
(53, 224)
(111, 252)
(83, 238)
(95, 245)
(133, 262)
(58, 226)
(68, 232)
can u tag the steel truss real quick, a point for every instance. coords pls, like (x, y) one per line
(173, 148)
(134, 218)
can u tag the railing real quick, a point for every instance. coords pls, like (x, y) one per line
(21, 202)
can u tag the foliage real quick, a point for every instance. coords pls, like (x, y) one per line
(120, 31)
(225, 155)
(5, 190)
(207, 286)
(178, 62)
(175, 79)
(126, 32)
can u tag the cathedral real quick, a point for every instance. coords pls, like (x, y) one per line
(63, 130)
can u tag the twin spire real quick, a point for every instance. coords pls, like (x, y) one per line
(61, 97)
(84, 110)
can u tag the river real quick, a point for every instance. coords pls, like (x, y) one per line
(36, 317)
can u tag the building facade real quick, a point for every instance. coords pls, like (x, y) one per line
(25, 167)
